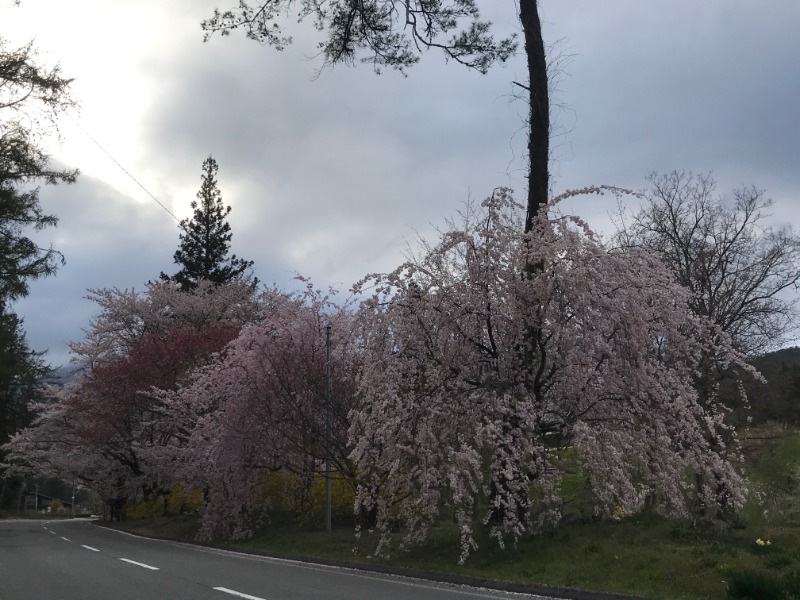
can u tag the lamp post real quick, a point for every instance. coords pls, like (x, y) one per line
(328, 432)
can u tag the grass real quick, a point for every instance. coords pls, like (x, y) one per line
(644, 555)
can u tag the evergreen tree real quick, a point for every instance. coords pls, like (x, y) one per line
(205, 241)
(21, 371)
(22, 259)
(27, 91)
(31, 96)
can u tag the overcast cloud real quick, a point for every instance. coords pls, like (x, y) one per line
(328, 176)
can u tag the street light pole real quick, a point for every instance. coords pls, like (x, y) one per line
(328, 432)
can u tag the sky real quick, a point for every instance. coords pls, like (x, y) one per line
(331, 174)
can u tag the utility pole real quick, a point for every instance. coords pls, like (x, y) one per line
(328, 432)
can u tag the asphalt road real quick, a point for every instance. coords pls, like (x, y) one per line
(75, 560)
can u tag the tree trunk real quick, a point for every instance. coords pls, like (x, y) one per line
(539, 104)
(538, 195)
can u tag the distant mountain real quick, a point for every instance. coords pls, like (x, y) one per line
(779, 398)
(63, 375)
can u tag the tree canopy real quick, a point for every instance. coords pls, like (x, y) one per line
(455, 419)
(735, 265)
(31, 96)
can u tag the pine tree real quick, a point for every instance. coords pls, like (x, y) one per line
(206, 237)
(31, 98)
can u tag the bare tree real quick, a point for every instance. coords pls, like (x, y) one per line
(739, 270)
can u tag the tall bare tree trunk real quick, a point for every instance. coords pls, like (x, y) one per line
(532, 350)
(539, 128)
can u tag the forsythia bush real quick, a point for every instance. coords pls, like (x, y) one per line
(283, 491)
(177, 501)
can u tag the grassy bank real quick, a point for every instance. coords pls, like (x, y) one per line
(644, 555)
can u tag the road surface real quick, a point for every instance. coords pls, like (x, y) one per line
(75, 560)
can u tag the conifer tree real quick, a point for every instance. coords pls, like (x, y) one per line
(206, 237)
(32, 96)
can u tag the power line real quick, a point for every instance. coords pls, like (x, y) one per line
(116, 162)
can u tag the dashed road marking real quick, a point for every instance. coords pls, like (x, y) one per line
(65, 539)
(138, 564)
(239, 594)
(90, 548)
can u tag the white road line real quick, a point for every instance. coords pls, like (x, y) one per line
(240, 594)
(90, 548)
(51, 531)
(65, 539)
(138, 564)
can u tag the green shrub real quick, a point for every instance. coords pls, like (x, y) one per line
(752, 585)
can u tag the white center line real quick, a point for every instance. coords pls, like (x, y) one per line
(65, 539)
(51, 531)
(90, 548)
(138, 564)
(240, 594)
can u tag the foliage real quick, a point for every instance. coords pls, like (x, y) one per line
(303, 496)
(127, 315)
(390, 32)
(21, 258)
(735, 266)
(205, 239)
(475, 367)
(106, 429)
(27, 88)
(261, 408)
(176, 501)
(31, 96)
(21, 371)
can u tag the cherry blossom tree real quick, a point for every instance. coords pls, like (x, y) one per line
(465, 409)
(105, 429)
(261, 408)
(126, 315)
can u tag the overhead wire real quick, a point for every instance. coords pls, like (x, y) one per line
(124, 170)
